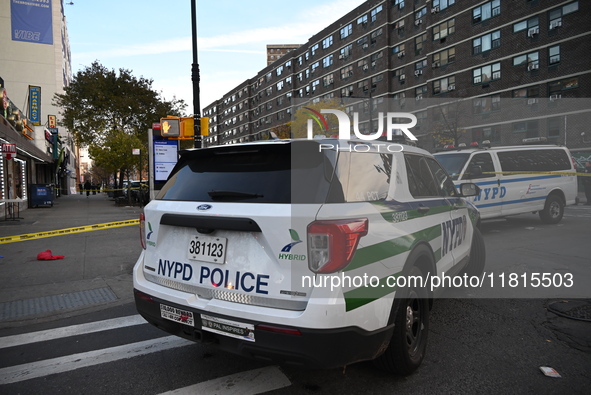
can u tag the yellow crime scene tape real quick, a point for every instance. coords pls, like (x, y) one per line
(68, 231)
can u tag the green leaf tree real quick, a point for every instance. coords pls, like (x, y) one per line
(101, 106)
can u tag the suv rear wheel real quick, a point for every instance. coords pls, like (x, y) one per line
(411, 326)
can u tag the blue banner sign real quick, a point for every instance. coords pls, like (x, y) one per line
(35, 104)
(31, 21)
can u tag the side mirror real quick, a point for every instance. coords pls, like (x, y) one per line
(469, 189)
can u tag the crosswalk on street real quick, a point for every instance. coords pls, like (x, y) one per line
(13, 371)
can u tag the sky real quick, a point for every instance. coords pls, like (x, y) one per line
(152, 38)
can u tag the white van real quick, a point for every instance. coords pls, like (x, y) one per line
(516, 179)
(308, 252)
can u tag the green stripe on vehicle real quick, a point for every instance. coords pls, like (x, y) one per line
(361, 296)
(386, 249)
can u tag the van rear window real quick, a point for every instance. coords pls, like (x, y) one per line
(535, 160)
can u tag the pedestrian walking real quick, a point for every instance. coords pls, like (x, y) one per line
(87, 187)
(587, 182)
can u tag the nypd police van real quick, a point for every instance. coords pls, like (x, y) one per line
(516, 179)
(308, 252)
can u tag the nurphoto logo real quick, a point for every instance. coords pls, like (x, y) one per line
(345, 124)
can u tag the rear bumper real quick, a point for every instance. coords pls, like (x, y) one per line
(313, 348)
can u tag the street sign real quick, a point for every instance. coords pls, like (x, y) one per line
(9, 150)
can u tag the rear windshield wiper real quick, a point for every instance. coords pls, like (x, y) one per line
(232, 194)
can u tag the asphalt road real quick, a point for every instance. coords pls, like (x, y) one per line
(481, 340)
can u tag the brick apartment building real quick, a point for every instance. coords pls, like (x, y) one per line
(500, 70)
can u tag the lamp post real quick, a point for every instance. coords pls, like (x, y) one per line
(195, 78)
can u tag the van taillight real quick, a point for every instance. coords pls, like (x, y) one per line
(332, 244)
(143, 230)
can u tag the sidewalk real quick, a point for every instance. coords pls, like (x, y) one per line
(96, 270)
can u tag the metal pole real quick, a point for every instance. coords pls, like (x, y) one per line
(195, 78)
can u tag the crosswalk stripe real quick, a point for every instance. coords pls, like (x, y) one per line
(58, 333)
(67, 363)
(244, 383)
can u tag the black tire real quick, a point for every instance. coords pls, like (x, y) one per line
(408, 344)
(477, 261)
(553, 210)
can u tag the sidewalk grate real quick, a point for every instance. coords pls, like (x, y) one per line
(26, 307)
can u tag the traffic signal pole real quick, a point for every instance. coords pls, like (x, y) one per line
(195, 78)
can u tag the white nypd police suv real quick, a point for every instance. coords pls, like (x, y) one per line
(305, 251)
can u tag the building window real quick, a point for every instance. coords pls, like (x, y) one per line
(399, 74)
(375, 34)
(363, 85)
(362, 20)
(399, 3)
(486, 42)
(486, 11)
(481, 105)
(442, 4)
(444, 85)
(532, 25)
(530, 60)
(375, 80)
(280, 85)
(363, 64)
(555, 15)
(314, 67)
(347, 91)
(346, 52)
(314, 49)
(420, 92)
(326, 62)
(315, 84)
(374, 13)
(374, 58)
(419, 15)
(279, 70)
(530, 128)
(532, 91)
(346, 31)
(486, 74)
(556, 87)
(346, 72)
(362, 42)
(419, 43)
(444, 29)
(328, 80)
(444, 57)
(327, 42)
(554, 55)
(398, 50)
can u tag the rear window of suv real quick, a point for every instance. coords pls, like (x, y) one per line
(265, 173)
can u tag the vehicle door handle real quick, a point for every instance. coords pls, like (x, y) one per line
(498, 182)
(423, 209)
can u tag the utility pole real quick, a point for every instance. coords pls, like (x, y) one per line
(195, 78)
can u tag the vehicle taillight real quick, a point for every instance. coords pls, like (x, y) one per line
(332, 244)
(143, 230)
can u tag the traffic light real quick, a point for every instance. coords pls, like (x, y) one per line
(205, 126)
(187, 127)
(170, 127)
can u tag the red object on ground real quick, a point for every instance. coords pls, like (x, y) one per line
(47, 256)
